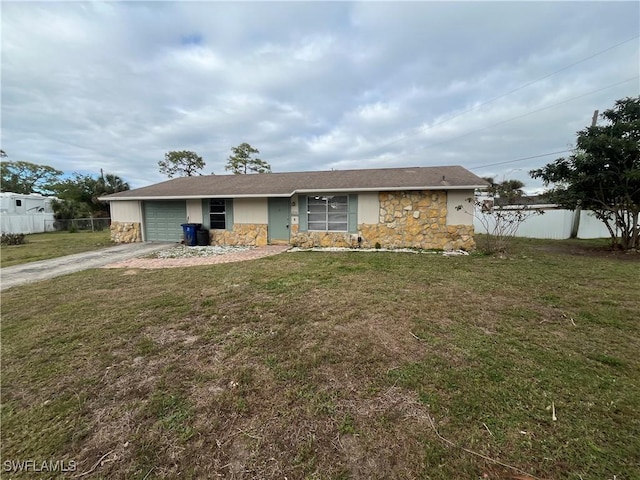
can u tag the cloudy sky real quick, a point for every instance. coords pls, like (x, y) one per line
(313, 85)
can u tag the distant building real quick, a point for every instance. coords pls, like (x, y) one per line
(21, 213)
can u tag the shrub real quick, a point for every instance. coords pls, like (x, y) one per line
(13, 239)
(500, 223)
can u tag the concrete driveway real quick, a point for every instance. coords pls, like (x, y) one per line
(55, 267)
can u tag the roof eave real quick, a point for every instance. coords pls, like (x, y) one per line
(287, 195)
(192, 197)
(390, 189)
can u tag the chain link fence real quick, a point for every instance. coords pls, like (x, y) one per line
(78, 224)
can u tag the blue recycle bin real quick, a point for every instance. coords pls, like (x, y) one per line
(190, 235)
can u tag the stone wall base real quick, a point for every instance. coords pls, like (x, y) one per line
(125, 232)
(452, 237)
(434, 236)
(324, 239)
(247, 234)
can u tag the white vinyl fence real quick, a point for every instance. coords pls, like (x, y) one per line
(33, 223)
(553, 224)
(20, 213)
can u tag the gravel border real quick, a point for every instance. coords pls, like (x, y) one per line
(184, 251)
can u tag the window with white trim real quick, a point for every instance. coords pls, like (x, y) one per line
(217, 214)
(328, 213)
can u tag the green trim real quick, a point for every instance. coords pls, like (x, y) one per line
(302, 213)
(353, 213)
(206, 220)
(228, 208)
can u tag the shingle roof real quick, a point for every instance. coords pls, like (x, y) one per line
(287, 184)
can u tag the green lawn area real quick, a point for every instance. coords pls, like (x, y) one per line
(332, 365)
(42, 246)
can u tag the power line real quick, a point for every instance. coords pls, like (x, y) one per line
(532, 112)
(520, 159)
(421, 129)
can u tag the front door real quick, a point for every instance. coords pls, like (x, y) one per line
(278, 227)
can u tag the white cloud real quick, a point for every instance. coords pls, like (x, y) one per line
(378, 112)
(312, 85)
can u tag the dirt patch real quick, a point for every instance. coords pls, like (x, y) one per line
(585, 250)
(166, 336)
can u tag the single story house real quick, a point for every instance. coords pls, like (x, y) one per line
(389, 207)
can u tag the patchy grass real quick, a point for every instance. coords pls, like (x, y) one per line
(332, 365)
(42, 246)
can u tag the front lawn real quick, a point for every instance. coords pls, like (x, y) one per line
(42, 246)
(332, 365)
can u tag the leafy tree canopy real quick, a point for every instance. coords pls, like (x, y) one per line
(26, 177)
(511, 190)
(181, 164)
(603, 175)
(243, 161)
(83, 191)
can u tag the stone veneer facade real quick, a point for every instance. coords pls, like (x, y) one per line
(249, 234)
(322, 239)
(125, 232)
(415, 219)
(406, 219)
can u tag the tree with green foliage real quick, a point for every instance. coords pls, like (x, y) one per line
(26, 178)
(603, 175)
(511, 190)
(109, 183)
(79, 195)
(181, 164)
(243, 161)
(65, 210)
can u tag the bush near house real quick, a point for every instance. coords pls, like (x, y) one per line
(12, 239)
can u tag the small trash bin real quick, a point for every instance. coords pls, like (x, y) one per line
(189, 230)
(202, 237)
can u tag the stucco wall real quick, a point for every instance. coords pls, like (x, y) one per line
(250, 210)
(368, 207)
(126, 211)
(463, 216)
(194, 210)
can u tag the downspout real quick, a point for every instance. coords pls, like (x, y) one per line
(575, 225)
(142, 219)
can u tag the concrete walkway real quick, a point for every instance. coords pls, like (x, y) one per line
(55, 267)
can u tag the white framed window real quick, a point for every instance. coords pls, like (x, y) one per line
(328, 213)
(217, 214)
